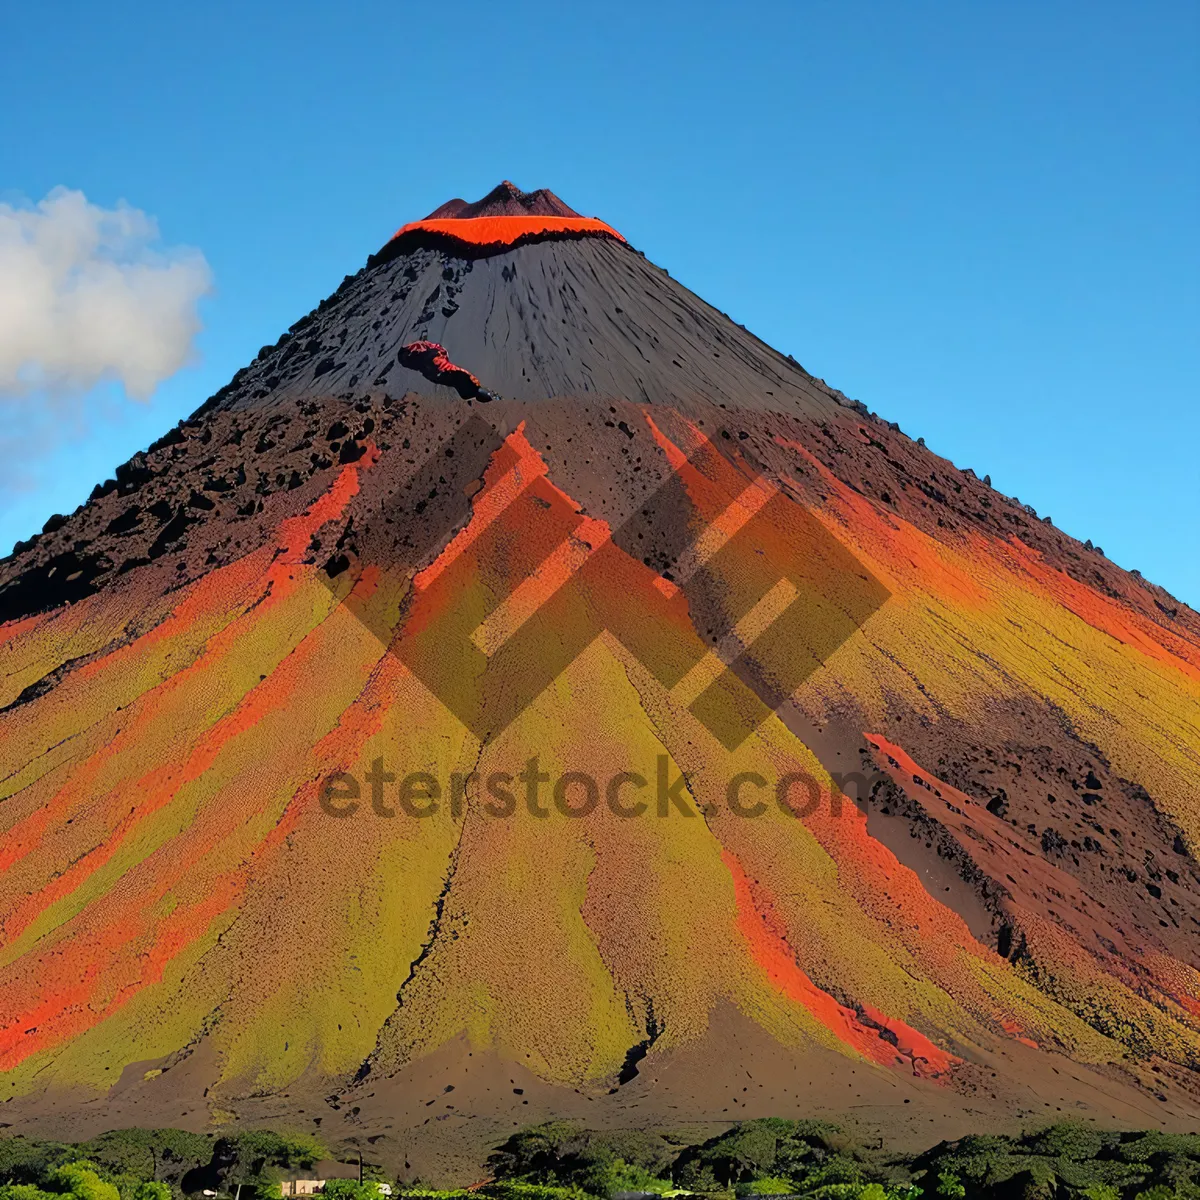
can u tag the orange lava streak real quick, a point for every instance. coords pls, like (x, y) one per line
(504, 231)
(294, 536)
(201, 598)
(512, 468)
(911, 1043)
(908, 554)
(26, 835)
(933, 572)
(891, 892)
(674, 455)
(993, 843)
(296, 532)
(64, 1010)
(13, 629)
(159, 787)
(714, 483)
(543, 582)
(1109, 616)
(1038, 892)
(772, 952)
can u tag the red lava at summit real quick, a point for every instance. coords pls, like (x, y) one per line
(507, 231)
(506, 216)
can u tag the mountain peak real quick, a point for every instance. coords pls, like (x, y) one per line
(512, 490)
(505, 200)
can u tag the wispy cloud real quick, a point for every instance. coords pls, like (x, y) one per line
(87, 295)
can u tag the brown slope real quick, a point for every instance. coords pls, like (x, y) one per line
(505, 200)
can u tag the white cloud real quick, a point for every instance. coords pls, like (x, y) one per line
(85, 297)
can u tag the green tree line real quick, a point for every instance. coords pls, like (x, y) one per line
(810, 1160)
(153, 1164)
(818, 1160)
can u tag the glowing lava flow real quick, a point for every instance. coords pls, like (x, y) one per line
(508, 231)
(434, 363)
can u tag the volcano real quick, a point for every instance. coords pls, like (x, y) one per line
(521, 692)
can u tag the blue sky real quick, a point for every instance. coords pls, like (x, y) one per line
(979, 219)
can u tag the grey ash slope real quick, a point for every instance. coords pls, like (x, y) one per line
(561, 317)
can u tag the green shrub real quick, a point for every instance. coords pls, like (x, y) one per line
(424, 1193)
(767, 1147)
(1070, 1140)
(894, 1191)
(520, 1190)
(150, 1190)
(350, 1189)
(1145, 1147)
(82, 1181)
(776, 1185)
(564, 1153)
(148, 1154)
(25, 1191)
(950, 1186)
(864, 1191)
(607, 1179)
(25, 1161)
